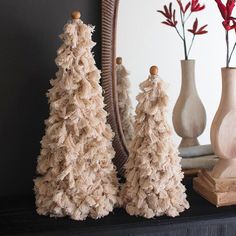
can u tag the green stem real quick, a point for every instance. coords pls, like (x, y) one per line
(192, 44)
(184, 36)
(187, 17)
(231, 54)
(179, 33)
(227, 47)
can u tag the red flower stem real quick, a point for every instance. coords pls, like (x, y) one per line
(231, 54)
(192, 44)
(179, 33)
(187, 17)
(184, 37)
(227, 46)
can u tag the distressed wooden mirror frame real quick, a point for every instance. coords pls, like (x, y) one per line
(109, 26)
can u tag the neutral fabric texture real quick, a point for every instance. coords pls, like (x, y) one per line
(76, 175)
(153, 173)
(124, 102)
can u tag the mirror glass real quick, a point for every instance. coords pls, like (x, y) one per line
(142, 41)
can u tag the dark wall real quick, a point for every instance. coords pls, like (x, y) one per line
(29, 39)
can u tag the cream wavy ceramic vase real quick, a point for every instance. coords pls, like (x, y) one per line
(223, 128)
(189, 115)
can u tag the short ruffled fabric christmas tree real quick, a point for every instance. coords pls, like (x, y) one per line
(124, 100)
(76, 175)
(153, 172)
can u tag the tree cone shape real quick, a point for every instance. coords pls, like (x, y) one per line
(124, 101)
(153, 172)
(76, 174)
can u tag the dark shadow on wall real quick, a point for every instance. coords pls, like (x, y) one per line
(28, 43)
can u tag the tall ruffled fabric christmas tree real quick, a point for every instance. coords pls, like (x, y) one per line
(124, 101)
(153, 172)
(76, 175)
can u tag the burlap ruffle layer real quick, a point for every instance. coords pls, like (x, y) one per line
(153, 172)
(76, 175)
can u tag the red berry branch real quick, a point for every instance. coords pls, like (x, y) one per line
(185, 13)
(229, 23)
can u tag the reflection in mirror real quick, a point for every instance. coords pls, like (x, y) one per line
(143, 41)
(124, 100)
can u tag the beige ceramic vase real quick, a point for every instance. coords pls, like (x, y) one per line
(189, 115)
(223, 129)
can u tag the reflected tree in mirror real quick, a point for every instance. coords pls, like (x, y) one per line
(124, 101)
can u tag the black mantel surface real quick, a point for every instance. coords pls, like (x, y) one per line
(18, 217)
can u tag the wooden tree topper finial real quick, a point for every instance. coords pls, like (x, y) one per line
(75, 15)
(154, 70)
(119, 60)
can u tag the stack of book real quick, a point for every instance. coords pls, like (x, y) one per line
(197, 158)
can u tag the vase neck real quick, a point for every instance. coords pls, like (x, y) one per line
(228, 95)
(188, 76)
